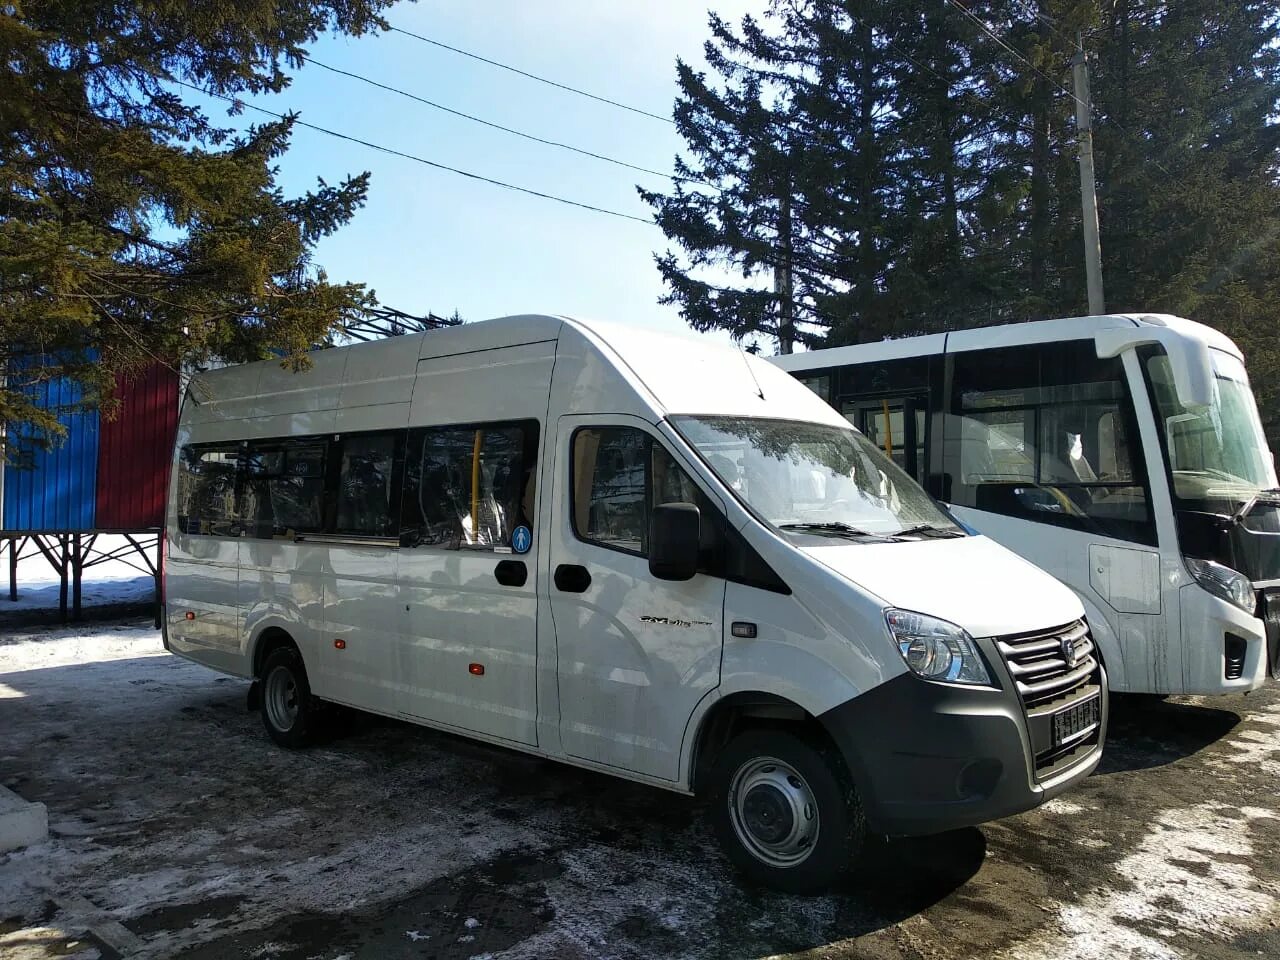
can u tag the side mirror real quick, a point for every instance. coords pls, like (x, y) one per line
(673, 541)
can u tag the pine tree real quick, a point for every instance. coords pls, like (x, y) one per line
(786, 180)
(1187, 96)
(930, 168)
(133, 229)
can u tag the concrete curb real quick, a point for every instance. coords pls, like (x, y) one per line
(21, 823)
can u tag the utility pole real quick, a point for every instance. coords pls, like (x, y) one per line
(1088, 193)
(782, 285)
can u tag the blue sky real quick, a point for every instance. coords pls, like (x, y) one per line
(430, 240)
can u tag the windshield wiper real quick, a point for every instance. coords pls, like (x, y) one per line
(928, 530)
(832, 528)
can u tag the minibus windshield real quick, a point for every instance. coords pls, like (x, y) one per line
(1216, 454)
(814, 478)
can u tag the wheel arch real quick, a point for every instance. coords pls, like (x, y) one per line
(270, 637)
(729, 715)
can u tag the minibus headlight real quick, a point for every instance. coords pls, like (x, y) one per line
(935, 649)
(1224, 582)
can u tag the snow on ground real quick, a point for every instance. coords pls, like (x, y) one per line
(179, 829)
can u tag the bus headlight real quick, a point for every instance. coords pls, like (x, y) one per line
(1224, 582)
(935, 649)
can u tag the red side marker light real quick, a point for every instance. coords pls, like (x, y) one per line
(475, 669)
(340, 644)
(190, 614)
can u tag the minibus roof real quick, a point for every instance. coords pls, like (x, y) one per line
(1005, 335)
(620, 369)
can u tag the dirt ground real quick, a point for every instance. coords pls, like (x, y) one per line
(178, 830)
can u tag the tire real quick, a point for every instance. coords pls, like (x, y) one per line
(288, 709)
(766, 784)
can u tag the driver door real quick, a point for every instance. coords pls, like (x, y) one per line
(635, 653)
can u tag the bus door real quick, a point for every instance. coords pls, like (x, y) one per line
(895, 424)
(468, 652)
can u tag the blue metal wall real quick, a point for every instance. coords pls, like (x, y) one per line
(58, 491)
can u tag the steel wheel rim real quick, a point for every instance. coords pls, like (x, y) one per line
(774, 812)
(281, 698)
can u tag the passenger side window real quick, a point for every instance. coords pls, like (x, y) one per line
(619, 475)
(1042, 432)
(365, 477)
(609, 478)
(207, 489)
(283, 493)
(469, 486)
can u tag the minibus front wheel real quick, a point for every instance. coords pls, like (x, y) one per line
(785, 811)
(287, 705)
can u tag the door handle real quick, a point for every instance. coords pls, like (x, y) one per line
(511, 573)
(572, 578)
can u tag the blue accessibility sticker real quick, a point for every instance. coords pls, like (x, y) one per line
(521, 539)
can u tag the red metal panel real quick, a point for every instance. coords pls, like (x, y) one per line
(135, 450)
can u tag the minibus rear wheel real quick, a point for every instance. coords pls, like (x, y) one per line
(785, 810)
(288, 710)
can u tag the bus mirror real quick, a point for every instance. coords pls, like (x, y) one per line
(1188, 359)
(673, 541)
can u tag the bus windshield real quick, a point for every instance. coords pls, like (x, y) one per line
(1217, 455)
(814, 478)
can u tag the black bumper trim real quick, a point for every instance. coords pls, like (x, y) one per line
(928, 757)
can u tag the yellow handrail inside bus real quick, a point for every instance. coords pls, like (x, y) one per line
(888, 430)
(475, 486)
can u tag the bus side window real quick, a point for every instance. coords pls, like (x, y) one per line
(365, 485)
(469, 487)
(207, 489)
(283, 490)
(1043, 432)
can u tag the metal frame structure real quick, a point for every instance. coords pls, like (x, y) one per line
(377, 323)
(70, 553)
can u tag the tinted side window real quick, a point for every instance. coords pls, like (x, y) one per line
(619, 475)
(283, 492)
(469, 486)
(1044, 432)
(365, 486)
(207, 489)
(609, 477)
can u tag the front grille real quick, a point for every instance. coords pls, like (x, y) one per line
(1049, 680)
(1038, 663)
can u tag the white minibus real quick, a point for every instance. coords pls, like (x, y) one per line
(1122, 454)
(636, 553)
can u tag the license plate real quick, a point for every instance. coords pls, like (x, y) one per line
(1077, 720)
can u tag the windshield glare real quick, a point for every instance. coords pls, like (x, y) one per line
(791, 472)
(1219, 451)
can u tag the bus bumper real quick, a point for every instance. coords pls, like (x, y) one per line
(929, 757)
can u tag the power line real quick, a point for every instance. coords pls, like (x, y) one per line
(498, 126)
(534, 76)
(417, 159)
(1008, 47)
(1022, 57)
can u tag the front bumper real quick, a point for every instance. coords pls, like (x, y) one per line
(929, 757)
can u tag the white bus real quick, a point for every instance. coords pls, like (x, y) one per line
(635, 553)
(1123, 454)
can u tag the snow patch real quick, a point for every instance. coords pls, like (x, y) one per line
(1179, 879)
(1062, 807)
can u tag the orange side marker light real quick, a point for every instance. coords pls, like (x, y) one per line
(190, 614)
(340, 644)
(475, 669)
